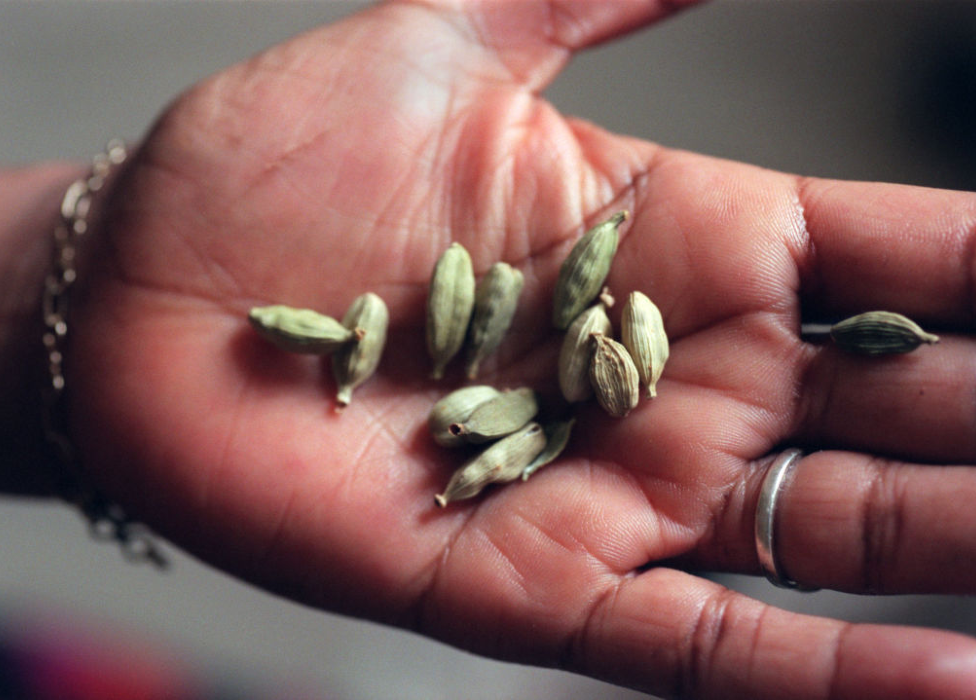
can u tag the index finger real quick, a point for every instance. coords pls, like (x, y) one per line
(881, 246)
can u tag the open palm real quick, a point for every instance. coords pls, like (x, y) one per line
(346, 161)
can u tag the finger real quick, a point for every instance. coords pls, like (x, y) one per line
(533, 40)
(920, 406)
(728, 239)
(675, 635)
(895, 247)
(852, 522)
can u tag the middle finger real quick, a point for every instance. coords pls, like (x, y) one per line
(919, 406)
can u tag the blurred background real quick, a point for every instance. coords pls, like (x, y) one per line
(857, 90)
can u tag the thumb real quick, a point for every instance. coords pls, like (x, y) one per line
(532, 41)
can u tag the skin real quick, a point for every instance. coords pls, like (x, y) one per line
(347, 160)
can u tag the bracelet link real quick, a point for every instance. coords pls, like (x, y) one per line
(107, 520)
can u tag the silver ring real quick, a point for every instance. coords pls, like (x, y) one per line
(765, 530)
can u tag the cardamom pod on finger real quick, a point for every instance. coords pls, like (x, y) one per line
(299, 330)
(614, 376)
(584, 270)
(450, 301)
(498, 416)
(576, 350)
(642, 333)
(880, 333)
(495, 300)
(353, 364)
(456, 408)
(503, 461)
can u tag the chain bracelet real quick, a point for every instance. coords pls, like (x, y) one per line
(107, 520)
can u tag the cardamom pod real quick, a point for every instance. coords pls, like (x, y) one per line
(299, 330)
(614, 376)
(454, 408)
(450, 301)
(498, 416)
(642, 333)
(503, 461)
(880, 333)
(557, 437)
(353, 364)
(576, 350)
(584, 270)
(495, 300)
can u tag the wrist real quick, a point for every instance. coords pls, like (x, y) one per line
(29, 200)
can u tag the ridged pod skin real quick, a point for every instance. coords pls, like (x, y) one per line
(576, 350)
(498, 416)
(584, 270)
(614, 377)
(642, 333)
(450, 301)
(880, 333)
(557, 437)
(353, 364)
(299, 330)
(495, 300)
(503, 461)
(454, 408)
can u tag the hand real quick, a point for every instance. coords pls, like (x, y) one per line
(345, 161)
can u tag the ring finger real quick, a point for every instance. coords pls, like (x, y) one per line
(851, 521)
(854, 522)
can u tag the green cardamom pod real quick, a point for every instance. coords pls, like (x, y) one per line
(614, 376)
(299, 330)
(455, 408)
(503, 461)
(880, 333)
(498, 416)
(576, 350)
(642, 333)
(450, 301)
(557, 437)
(495, 300)
(353, 364)
(586, 267)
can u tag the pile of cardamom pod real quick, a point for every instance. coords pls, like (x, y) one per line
(591, 362)
(464, 314)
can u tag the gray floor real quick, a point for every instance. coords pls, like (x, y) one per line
(868, 90)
